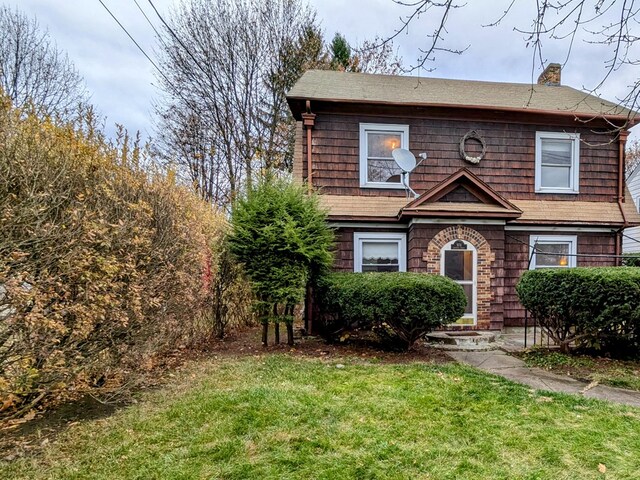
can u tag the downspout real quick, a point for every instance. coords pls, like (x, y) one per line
(622, 137)
(309, 120)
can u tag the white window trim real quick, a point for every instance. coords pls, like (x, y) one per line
(380, 127)
(572, 240)
(474, 315)
(359, 237)
(575, 163)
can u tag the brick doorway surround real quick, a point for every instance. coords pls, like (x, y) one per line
(485, 259)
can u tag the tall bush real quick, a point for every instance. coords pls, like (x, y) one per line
(400, 307)
(100, 261)
(584, 305)
(281, 236)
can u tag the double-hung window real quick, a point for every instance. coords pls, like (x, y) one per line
(553, 251)
(380, 252)
(377, 141)
(557, 162)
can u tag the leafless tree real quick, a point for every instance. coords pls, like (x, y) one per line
(226, 66)
(610, 24)
(376, 56)
(33, 71)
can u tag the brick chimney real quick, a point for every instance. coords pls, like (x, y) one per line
(551, 75)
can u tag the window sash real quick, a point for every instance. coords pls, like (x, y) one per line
(557, 162)
(546, 244)
(365, 243)
(366, 179)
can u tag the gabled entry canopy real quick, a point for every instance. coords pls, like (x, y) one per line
(461, 195)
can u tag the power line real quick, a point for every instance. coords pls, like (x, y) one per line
(177, 92)
(133, 40)
(179, 40)
(147, 18)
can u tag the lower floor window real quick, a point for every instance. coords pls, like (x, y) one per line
(379, 252)
(553, 251)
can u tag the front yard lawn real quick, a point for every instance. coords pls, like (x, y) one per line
(282, 417)
(616, 373)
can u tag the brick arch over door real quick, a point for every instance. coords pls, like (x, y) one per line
(485, 258)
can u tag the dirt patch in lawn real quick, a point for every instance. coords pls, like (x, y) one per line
(247, 342)
(607, 371)
(29, 435)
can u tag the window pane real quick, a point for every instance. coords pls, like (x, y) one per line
(468, 291)
(383, 171)
(458, 264)
(556, 151)
(380, 256)
(381, 144)
(553, 254)
(556, 177)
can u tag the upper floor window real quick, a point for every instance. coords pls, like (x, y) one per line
(377, 167)
(553, 251)
(557, 162)
(380, 252)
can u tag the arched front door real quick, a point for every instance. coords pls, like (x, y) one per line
(458, 261)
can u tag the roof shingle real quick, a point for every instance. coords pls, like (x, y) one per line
(395, 89)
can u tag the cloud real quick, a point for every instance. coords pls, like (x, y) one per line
(122, 81)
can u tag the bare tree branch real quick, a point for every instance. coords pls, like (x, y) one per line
(33, 72)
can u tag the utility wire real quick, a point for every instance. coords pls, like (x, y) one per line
(179, 40)
(147, 18)
(134, 41)
(170, 84)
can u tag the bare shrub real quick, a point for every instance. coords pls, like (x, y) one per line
(101, 262)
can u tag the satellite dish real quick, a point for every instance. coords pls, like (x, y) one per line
(404, 158)
(406, 161)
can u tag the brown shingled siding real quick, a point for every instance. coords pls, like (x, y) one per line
(508, 165)
(517, 261)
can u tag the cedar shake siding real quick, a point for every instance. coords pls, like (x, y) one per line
(508, 166)
(491, 206)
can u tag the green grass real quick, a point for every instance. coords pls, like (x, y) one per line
(277, 417)
(616, 373)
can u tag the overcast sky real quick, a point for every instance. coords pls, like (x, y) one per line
(122, 82)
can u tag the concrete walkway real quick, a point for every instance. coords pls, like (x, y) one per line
(499, 363)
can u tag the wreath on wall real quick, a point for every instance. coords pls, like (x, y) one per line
(472, 135)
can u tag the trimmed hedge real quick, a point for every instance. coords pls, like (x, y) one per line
(596, 306)
(400, 308)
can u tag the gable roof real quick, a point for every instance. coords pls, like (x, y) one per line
(331, 86)
(492, 204)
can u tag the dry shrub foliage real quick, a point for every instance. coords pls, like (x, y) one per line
(103, 266)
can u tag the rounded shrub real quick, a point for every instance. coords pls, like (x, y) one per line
(595, 306)
(400, 307)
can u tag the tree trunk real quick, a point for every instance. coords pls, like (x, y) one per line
(289, 316)
(290, 333)
(265, 332)
(276, 327)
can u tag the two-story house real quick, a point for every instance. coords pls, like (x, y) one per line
(516, 176)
